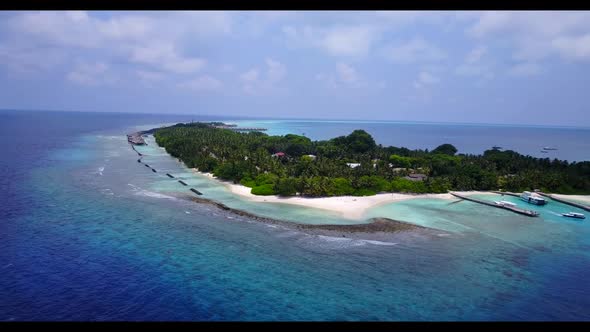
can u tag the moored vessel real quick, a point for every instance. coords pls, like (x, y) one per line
(505, 203)
(574, 215)
(533, 198)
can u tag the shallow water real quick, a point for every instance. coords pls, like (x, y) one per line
(88, 233)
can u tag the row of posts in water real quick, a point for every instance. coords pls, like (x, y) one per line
(168, 174)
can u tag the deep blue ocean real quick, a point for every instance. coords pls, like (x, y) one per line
(87, 234)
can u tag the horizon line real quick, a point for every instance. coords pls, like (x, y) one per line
(242, 117)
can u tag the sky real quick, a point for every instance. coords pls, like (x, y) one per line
(447, 66)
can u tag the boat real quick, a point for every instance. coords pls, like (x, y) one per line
(543, 151)
(533, 198)
(505, 203)
(549, 148)
(497, 147)
(574, 215)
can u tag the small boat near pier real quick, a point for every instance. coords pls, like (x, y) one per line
(574, 215)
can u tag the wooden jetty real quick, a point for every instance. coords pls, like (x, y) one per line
(506, 193)
(153, 170)
(580, 206)
(196, 191)
(170, 175)
(136, 139)
(146, 165)
(183, 183)
(528, 213)
(139, 160)
(240, 128)
(133, 147)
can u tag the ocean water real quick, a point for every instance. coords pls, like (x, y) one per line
(573, 144)
(87, 233)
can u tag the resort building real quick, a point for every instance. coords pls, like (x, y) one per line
(278, 154)
(416, 177)
(353, 165)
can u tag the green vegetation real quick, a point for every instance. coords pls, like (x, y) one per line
(247, 158)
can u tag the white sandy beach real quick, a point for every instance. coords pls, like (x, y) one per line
(574, 198)
(353, 207)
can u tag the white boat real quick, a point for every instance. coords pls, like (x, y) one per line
(574, 215)
(549, 148)
(505, 203)
(533, 198)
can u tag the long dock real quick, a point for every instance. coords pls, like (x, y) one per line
(136, 139)
(528, 213)
(506, 193)
(580, 206)
(240, 128)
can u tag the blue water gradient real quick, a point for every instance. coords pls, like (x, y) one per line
(88, 234)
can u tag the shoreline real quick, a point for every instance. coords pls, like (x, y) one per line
(377, 229)
(582, 199)
(349, 207)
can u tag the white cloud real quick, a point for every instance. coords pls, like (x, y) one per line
(425, 78)
(476, 64)
(403, 17)
(478, 70)
(476, 54)
(276, 71)
(250, 76)
(164, 56)
(347, 76)
(573, 48)
(253, 82)
(415, 50)
(227, 68)
(525, 69)
(125, 27)
(150, 76)
(346, 73)
(490, 22)
(202, 83)
(256, 23)
(347, 41)
(159, 41)
(91, 74)
(537, 35)
(30, 61)
(62, 28)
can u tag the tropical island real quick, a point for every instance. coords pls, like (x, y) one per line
(355, 165)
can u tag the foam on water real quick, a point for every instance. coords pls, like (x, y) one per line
(380, 243)
(333, 242)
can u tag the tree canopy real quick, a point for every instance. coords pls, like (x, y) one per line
(247, 158)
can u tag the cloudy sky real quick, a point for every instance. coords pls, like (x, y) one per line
(490, 67)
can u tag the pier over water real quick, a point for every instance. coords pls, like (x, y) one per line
(528, 213)
(240, 128)
(136, 139)
(578, 205)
